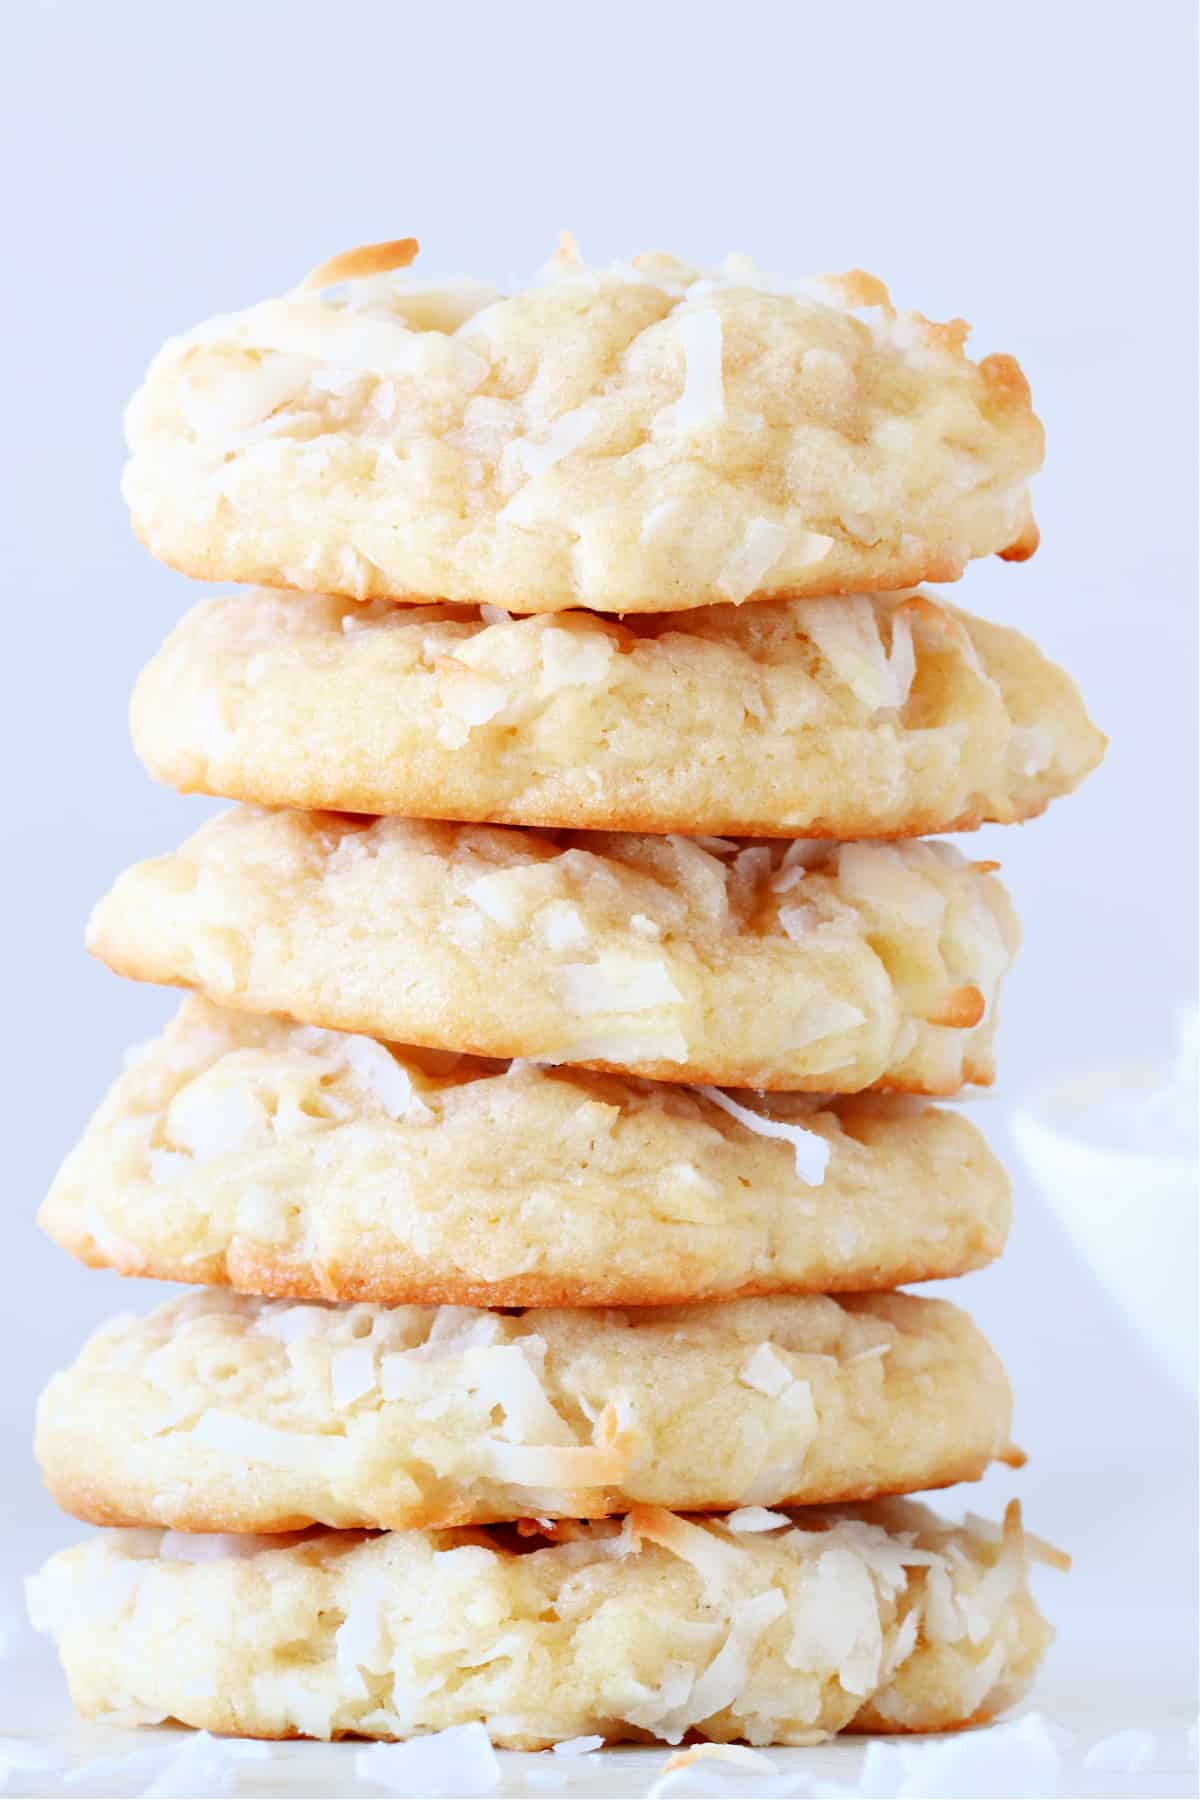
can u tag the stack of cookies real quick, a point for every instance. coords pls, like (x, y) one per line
(549, 1130)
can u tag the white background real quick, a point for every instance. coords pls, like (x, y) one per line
(1027, 165)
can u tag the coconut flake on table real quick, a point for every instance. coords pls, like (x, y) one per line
(1017, 1761)
(810, 1149)
(577, 1746)
(1124, 1753)
(737, 1756)
(19, 1756)
(205, 1765)
(459, 1761)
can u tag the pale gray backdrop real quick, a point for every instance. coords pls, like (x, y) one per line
(1027, 165)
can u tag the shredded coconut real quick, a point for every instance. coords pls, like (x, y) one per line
(352, 1374)
(702, 402)
(755, 1518)
(753, 559)
(846, 632)
(810, 1149)
(618, 983)
(766, 1371)
(574, 658)
(302, 1452)
(570, 431)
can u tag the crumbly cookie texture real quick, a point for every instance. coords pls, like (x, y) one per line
(809, 966)
(773, 1628)
(638, 439)
(218, 1412)
(881, 716)
(284, 1160)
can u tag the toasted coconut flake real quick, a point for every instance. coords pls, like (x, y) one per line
(810, 1149)
(961, 1009)
(717, 1563)
(602, 1463)
(366, 259)
(738, 1754)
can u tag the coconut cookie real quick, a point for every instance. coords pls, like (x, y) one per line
(818, 967)
(851, 718)
(218, 1412)
(766, 1626)
(638, 439)
(286, 1160)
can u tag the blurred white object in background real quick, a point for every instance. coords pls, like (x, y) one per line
(1114, 1152)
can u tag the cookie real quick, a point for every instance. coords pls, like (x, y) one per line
(862, 717)
(288, 1161)
(773, 1628)
(814, 967)
(218, 1412)
(637, 439)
